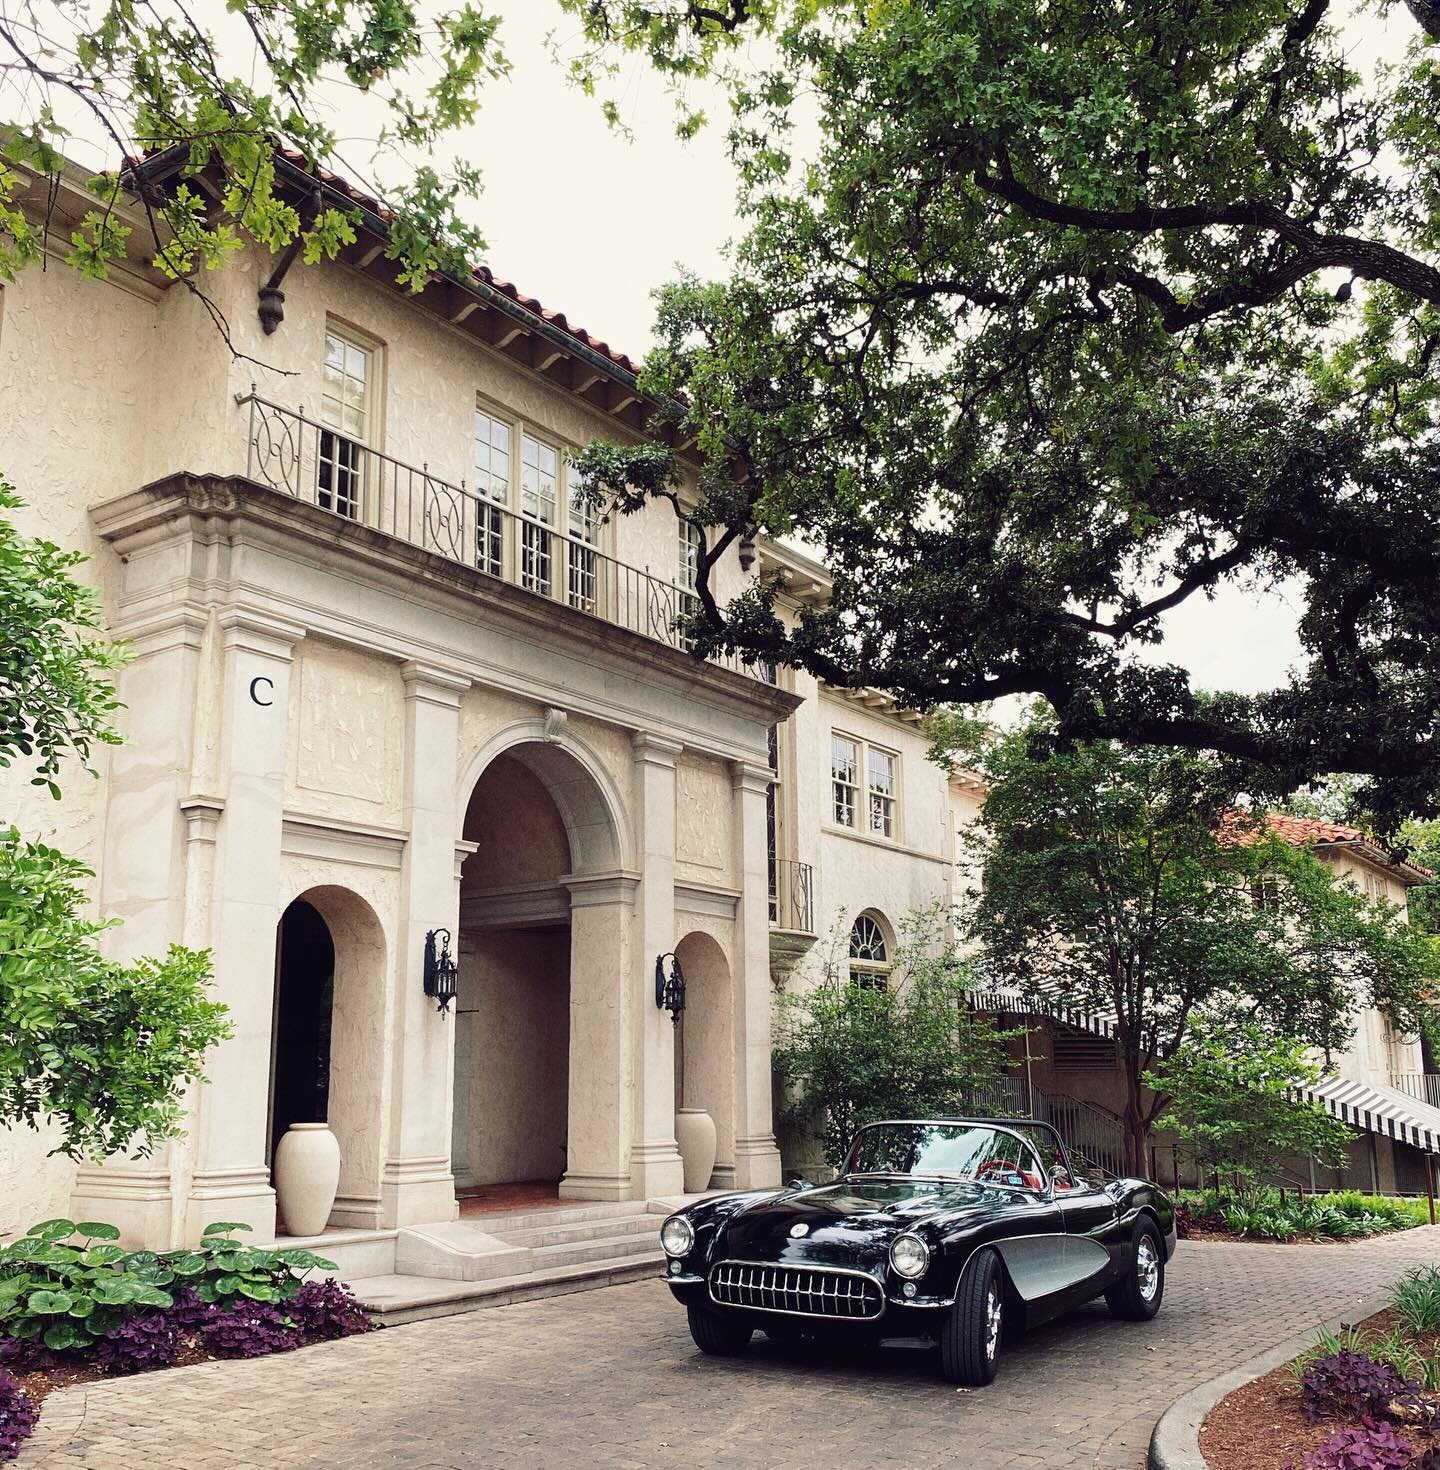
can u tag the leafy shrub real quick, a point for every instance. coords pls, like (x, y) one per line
(17, 1416)
(326, 1309)
(248, 1329)
(1368, 1447)
(1416, 1299)
(146, 1340)
(27, 1355)
(1342, 1216)
(1350, 1385)
(73, 1296)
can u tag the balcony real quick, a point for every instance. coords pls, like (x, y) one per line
(302, 458)
(1422, 1085)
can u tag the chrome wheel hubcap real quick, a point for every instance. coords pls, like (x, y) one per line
(1147, 1269)
(992, 1323)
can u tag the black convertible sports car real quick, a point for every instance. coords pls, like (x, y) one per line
(960, 1229)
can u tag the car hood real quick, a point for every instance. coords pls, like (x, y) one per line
(849, 1223)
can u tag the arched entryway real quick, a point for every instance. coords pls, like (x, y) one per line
(540, 823)
(327, 1043)
(704, 1043)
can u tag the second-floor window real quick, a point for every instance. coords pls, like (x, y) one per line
(864, 779)
(492, 484)
(539, 494)
(345, 413)
(869, 954)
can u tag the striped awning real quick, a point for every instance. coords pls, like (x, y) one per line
(1364, 1105)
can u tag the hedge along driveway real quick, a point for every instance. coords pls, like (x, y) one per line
(610, 1378)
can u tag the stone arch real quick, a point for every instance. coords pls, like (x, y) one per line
(704, 1042)
(583, 791)
(356, 1040)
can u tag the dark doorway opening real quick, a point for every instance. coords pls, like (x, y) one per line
(304, 1000)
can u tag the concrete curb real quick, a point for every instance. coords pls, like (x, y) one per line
(1175, 1443)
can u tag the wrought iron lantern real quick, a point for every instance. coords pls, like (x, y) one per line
(669, 986)
(441, 975)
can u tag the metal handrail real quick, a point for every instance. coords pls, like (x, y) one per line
(320, 465)
(1424, 1086)
(792, 895)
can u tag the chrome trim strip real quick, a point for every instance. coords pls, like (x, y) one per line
(749, 1279)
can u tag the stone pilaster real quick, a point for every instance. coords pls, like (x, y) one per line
(757, 1160)
(655, 1167)
(416, 1185)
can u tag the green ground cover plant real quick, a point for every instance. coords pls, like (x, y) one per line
(1270, 1215)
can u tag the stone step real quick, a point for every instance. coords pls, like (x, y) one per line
(581, 1230)
(356, 1253)
(605, 1248)
(394, 1300)
(502, 1222)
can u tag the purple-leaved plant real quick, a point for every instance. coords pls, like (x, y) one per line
(1348, 1385)
(147, 1340)
(326, 1309)
(1370, 1446)
(248, 1330)
(17, 1416)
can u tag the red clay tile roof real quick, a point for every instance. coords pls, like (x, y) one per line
(1301, 831)
(480, 272)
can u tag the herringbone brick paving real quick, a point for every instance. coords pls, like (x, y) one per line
(610, 1378)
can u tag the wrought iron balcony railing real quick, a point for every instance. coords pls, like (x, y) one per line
(792, 895)
(1422, 1085)
(298, 456)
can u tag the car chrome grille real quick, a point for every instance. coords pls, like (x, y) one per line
(802, 1291)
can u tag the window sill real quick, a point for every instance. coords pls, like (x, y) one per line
(889, 844)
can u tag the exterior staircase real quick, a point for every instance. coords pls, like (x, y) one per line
(493, 1259)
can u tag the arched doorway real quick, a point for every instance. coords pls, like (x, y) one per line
(304, 1011)
(704, 1043)
(327, 1042)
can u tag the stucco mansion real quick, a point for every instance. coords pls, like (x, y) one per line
(393, 692)
(391, 683)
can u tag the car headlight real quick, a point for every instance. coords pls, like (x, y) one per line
(676, 1236)
(909, 1255)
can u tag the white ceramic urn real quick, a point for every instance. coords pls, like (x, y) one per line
(307, 1174)
(695, 1135)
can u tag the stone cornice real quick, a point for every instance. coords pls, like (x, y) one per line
(207, 506)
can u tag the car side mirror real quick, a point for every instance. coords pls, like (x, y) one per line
(1060, 1177)
(798, 1181)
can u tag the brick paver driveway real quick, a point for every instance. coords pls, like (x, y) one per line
(610, 1378)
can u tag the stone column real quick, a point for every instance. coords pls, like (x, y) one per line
(757, 1160)
(231, 1180)
(143, 880)
(603, 1002)
(416, 1185)
(655, 1167)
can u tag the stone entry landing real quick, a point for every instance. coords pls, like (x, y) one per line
(491, 1257)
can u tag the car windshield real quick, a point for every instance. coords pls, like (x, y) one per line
(959, 1150)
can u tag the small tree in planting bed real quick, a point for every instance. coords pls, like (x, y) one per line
(1232, 1090)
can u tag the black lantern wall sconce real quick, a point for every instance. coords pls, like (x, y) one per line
(669, 986)
(441, 975)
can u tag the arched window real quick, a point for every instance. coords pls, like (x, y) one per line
(869, 954)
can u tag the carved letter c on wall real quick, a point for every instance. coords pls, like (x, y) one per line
(255, 684)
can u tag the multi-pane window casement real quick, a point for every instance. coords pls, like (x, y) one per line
(345, 415)
(844, 779)
(880, 787)
(492, 486)
(687, 574)
(869, 954)
(539, 496)
(582, 560)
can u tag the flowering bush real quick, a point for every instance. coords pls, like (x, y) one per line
(17, 1416)
(1348, 1385)
(326, 1309)
(1369, 1447)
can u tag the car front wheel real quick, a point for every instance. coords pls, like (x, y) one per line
(1137, 1295)
(716, 1333)
(970, 1340)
